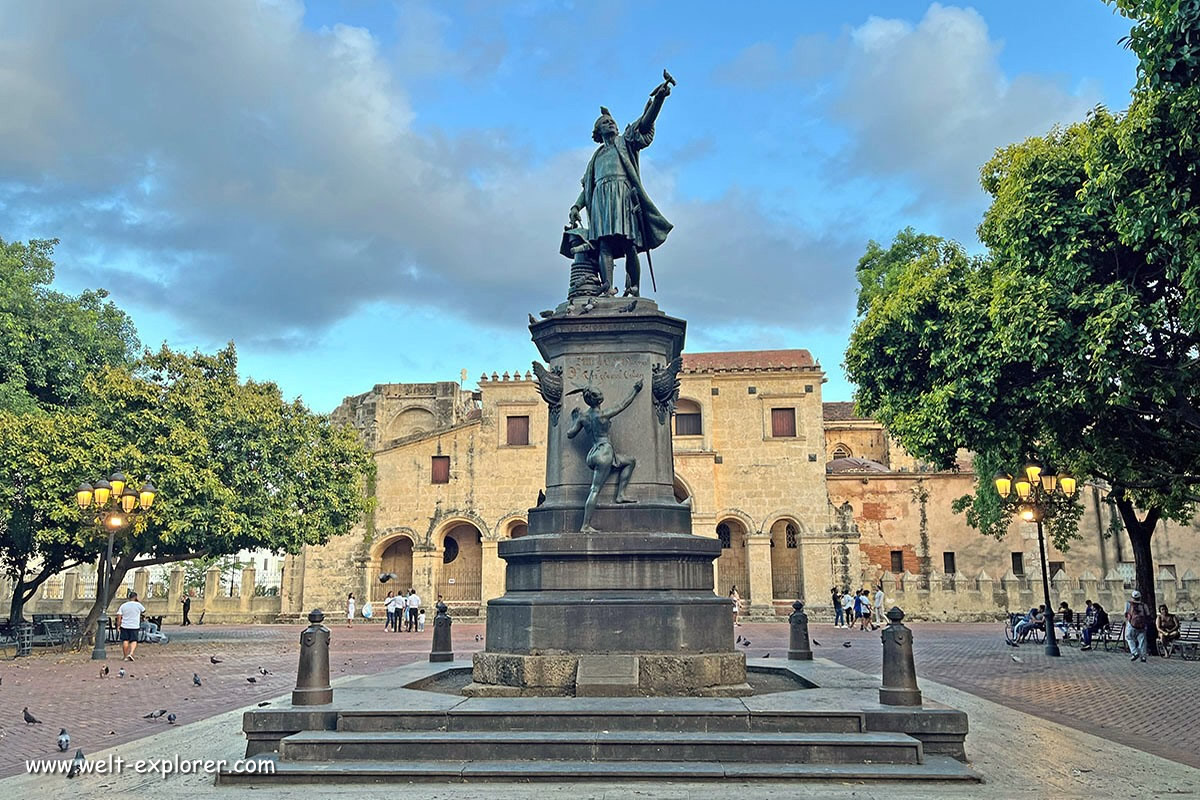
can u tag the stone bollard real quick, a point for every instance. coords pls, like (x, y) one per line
(312, 677)
(798, 647)
(899, 672)
(442, 647)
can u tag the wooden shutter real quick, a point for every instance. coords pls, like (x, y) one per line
(783, 422)
(518, 430)
(441, 469)
(687, 425)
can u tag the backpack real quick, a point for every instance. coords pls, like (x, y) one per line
(1137, 615)
(1101, 617)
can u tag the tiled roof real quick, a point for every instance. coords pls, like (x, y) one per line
(835, 412)
(747, 359)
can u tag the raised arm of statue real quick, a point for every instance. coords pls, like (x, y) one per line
(637, 387)
(645, 123)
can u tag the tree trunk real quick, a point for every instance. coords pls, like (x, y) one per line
(1140, 532)
(24, 589)
(119, 569)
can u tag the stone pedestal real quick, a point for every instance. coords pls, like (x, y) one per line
(642, 586)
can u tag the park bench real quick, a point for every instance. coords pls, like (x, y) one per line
(54, 633)
(1188, 643)
(1114, 634)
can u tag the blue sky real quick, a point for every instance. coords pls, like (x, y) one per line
(366, 192)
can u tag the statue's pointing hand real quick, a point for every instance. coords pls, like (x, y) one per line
(637, 385)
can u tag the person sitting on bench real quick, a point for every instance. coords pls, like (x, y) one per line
(1095, 619)
(1168, 629)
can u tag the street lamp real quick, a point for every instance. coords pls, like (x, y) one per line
(111, 505)
(1035, 489)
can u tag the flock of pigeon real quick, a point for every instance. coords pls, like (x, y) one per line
(64, 738)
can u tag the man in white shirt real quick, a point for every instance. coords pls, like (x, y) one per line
(129, 620)
(878, 606)
(414, 604)
(848, 608)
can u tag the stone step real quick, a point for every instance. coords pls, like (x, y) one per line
(934, 768)
(541, 718)
(727, 746)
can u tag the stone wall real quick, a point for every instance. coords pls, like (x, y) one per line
(215, 606)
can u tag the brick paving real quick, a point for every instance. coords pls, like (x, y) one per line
(1153, 707)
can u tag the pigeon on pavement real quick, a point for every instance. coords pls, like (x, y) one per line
(171, 719)
(64, 740)
(215, 660)
(30, 719)
(845, 644)
(264, 703)
(155, 714)
(196, 679)
(767, 655)
(121, 672)
(745, 642)
(814, 641)
(252, 680)
(1014, 658)
(76, 764)
(738, 640)
(263, 671)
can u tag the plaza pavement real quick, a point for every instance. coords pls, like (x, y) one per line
(1108, 703)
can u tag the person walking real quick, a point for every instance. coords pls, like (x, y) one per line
(878, 606)
(736, 600)
(187, 607)
(129, 620)
(838, 615)
(1137, 618)
(350, 610)
(848, 608)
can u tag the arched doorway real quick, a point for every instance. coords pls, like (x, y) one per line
(786, 574)
(517, 529)
(681, 491)
(397, 559)
(731, 564)
(462, 562)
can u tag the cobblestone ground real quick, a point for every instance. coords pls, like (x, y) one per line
(1153, 706)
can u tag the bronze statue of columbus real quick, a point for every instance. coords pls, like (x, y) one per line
(622, 221)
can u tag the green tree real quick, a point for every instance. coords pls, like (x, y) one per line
(1074, 339)
(237, 467)
(49, 343)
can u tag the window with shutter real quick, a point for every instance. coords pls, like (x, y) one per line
(440, 472)
(687, 425)
(783, 422)
(518, 430)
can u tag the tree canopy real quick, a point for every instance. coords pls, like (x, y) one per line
(1074, 337)
(236, 466)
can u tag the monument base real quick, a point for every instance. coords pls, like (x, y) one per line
(609, 675)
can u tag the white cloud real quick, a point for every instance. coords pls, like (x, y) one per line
(931, 102)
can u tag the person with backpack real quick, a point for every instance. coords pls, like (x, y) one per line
(1137, 619)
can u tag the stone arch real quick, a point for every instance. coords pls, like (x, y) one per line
(409, 421)
(683, 492)
(443, 522)
(460, 577)
(391, 552)
(787, 557)
(840, 450)
(733, 568)
(509, 523)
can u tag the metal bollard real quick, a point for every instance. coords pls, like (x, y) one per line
(899, 672)
(312, 677)
(799, 648)
(442, 646)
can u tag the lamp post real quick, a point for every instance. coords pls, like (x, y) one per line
(1035, 489)
(110, 505)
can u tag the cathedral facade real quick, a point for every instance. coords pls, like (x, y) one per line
(802, 494)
